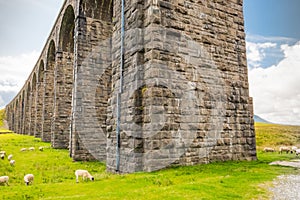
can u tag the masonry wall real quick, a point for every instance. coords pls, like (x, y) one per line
(186, 98)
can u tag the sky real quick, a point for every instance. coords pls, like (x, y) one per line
(273, 51)
(273, 54)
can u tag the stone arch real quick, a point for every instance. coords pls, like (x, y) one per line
(19, 112)
(94, 29)
(23, 112)
(17, 121)
(33, 103)
(51, 56)
(27, 109)
(41, 72)
(66, 35)
(39, 100)
(60, 128)
(8, 113)
(48, 99)
(96, 9)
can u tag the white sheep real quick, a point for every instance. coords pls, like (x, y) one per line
(269, 149)
(3, 152)
(41, 148)
(31, 148)
(297, 152)
(283, 148)
(84, 173)
(9, 157)
(12, 162)
(2, 156)
(23, 149)
(4, 180)
(28, 178)
(294, 148)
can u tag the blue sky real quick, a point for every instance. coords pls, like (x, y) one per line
(274, 21)
(273, 51)
(271, 18)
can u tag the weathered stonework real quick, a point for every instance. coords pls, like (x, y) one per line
(185, 96)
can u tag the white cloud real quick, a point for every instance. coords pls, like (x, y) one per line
(276, 90)
(262, 39)
(256, 52)
(14, 72)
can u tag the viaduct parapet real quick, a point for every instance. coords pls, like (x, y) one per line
(169, 86)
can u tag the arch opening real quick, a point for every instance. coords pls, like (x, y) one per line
(99, 9)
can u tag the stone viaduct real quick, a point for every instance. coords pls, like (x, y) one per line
(168, 85)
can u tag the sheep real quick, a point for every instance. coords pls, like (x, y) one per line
(2, 156)
(23, 149)
(3, 152)
(41, 148)
(31, 148)
(4, 180)
(294, 148)
(84, 173)
(282, 149)
(297, 152)
(28, 178)
(12, 162)
(9, 157)
(269, 149)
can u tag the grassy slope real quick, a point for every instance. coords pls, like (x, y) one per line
(54, 175)
(274, 135)
(2, 117)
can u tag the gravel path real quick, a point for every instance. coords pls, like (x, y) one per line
(286, 187)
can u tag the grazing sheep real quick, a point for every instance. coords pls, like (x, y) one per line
(12, 162)
(294, 148)
(3, 152)
(282, 149)
(2, 156)
(4, 180)
(41, 148)
(269, 149)
(23, 149)
(28, 178)
(297, 152)
(9, 157)
(31, 148)
(84, 173)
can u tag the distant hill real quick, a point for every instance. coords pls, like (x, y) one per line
(259, 119)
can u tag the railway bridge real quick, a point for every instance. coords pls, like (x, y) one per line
(142, 84)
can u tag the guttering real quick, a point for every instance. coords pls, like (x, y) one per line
(120, 86)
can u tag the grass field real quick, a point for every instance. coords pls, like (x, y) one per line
(55, 179)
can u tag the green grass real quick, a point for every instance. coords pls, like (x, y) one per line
(55, 179)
